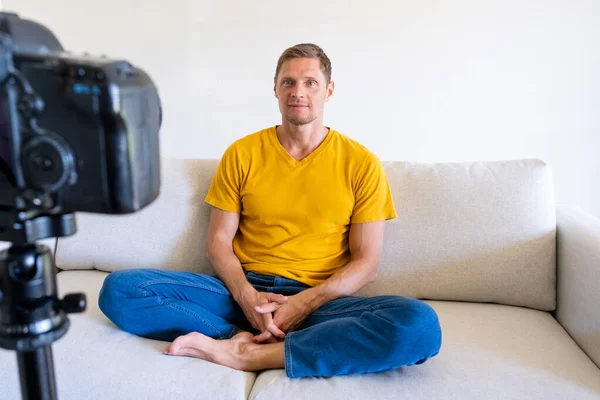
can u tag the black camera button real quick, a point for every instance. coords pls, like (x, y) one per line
(30, 105)
(125, 70)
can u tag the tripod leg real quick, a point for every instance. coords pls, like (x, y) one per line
(31, 315)
(37, 374)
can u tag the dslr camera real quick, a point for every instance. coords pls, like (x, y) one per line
(77, 133)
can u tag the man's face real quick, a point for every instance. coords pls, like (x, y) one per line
(302, 90)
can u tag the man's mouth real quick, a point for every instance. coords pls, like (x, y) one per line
(297, 105)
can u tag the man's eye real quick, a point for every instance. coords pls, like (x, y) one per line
(312, 83)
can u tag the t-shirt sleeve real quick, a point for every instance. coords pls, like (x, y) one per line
(373, 197)
(225, 188)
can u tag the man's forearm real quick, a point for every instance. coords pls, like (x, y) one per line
(345, 282)
(228, 267)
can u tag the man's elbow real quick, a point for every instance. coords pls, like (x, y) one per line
(215, 248)
(368, 262)
(374, 270)
(210, 249)
(373, 276)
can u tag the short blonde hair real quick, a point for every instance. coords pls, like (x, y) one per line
(306, 50)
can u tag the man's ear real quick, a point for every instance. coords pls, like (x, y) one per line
(275, 90)
(330, 89)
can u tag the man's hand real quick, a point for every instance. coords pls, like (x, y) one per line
(251, 301)
(289, 316)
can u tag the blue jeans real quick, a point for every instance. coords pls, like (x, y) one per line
(349, 335)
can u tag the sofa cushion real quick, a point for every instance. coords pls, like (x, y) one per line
(168, 234)
(482, 232)
(478, 232)
(95, 360)
(488, 352)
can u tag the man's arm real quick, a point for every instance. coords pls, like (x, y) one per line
(365, 243)
(222, 228)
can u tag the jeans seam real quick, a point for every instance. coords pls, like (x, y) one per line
(174, 282)
(193, 314)
(288, 359)
(324, 313)
(369, 308)
(233, 331)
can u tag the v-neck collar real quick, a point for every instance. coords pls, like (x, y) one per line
(291, 160)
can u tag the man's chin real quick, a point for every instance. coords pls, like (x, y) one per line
(298, 121)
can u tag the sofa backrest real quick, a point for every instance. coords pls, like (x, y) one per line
(481, 232)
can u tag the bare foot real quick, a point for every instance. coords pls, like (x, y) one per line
(233, 353)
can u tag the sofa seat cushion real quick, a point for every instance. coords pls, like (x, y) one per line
(488, 352)
(95, 360)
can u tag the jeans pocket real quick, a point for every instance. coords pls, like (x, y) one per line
(258, 279)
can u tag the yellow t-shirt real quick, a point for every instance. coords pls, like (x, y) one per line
(295, 216)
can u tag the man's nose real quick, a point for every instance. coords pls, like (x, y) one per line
(297, 92)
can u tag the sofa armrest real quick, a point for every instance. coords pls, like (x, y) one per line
(578, 277)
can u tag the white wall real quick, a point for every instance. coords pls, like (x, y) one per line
(455, 80)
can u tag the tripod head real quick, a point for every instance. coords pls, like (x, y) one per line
(30, 312)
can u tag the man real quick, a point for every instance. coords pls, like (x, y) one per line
(296, 228)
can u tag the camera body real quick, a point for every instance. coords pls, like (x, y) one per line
(77, 132)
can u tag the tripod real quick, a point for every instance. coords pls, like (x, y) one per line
(31, 315)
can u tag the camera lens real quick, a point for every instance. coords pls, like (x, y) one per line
(47, 162)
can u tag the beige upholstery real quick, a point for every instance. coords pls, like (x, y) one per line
(480, 232)
(579, 277)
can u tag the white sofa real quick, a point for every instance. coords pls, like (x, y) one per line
(514, 278)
